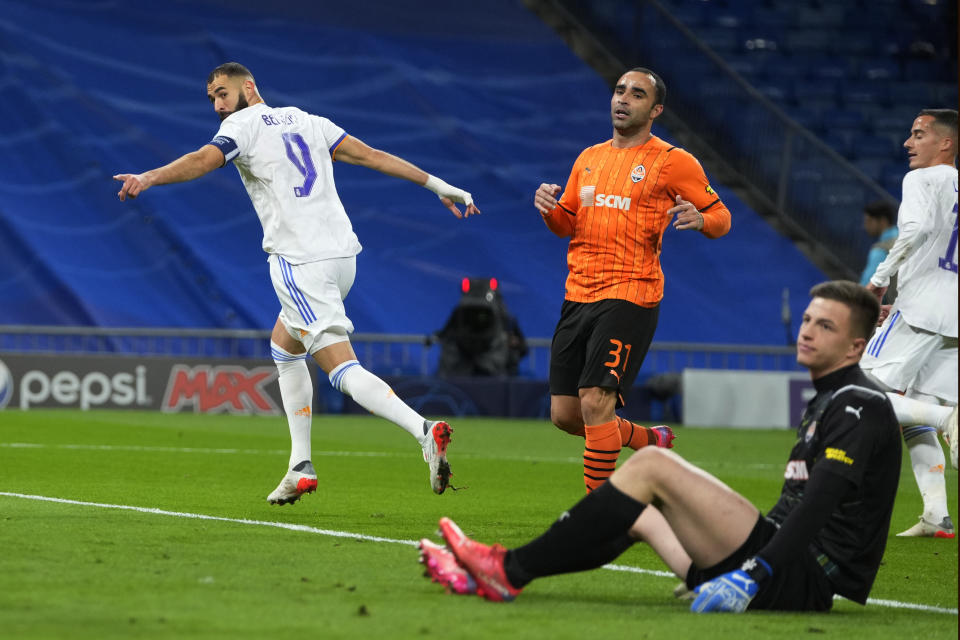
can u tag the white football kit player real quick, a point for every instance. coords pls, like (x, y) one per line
(915, 350)
(285, 159)
(916, 347)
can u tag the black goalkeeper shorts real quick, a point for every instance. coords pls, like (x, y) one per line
(800, 585)
(600, 344)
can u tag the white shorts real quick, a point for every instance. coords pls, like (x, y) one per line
(311, 299)
(904, 357)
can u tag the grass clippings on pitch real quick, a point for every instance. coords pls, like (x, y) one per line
(82, 567)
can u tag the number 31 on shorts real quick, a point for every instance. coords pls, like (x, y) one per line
(618, 348)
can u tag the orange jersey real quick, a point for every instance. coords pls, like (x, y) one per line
(615, 206)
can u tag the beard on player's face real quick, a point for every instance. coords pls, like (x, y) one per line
(630, 124)
(241, 104)
(633, 117)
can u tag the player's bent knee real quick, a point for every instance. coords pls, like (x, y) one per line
(649, 462)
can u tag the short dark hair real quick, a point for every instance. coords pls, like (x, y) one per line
(658, 84)
(881, 209)
(943, 117)
(231, 70)
(864, 306)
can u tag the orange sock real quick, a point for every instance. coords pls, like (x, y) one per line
(634, 436)
(600, 453)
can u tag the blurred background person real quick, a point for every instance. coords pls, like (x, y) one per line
(880, 222)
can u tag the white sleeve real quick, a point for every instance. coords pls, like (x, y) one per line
(915, 221)
(330, 132)
(232, 139)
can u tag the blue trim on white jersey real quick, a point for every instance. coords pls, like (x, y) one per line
(339, 140)
(298, 298)
(228, 146)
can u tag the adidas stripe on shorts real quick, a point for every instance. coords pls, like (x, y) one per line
(903, 357)
(311, 299)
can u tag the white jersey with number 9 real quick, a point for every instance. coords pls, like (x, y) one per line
(285, 159)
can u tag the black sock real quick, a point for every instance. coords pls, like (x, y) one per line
(588, 558)
(587, 536)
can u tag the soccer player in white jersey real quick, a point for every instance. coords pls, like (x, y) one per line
(285, 159)
(914, 352)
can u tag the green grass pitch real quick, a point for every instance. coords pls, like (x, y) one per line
(84, 569)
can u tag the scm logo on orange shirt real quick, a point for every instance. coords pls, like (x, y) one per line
(612, 201)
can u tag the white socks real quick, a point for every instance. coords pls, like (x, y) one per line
(376, 396)
(369, 391)
(296, 389)
(916, 412)
(928, 462)
(926, 453)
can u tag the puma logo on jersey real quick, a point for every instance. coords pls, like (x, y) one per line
(796, 470)
(612, 201)
(855, 412)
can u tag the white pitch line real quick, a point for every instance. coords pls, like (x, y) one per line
(201, 516)
(360, 536)
(895, 604)
(906, 605)
(134, 447)
(646, 572)
(316, 453)
(321, 454)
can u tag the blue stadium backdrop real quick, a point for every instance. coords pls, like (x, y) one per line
(483, 94)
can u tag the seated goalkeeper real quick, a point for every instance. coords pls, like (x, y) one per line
(824, 536)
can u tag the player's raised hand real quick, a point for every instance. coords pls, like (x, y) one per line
(133, 185)
(470, 210)
(688, 217)
(545, 199)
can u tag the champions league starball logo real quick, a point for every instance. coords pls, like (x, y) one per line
(6, 385)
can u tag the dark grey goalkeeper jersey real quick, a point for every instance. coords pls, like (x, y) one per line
(848, 430)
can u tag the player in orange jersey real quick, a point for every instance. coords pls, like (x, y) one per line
(619, 199)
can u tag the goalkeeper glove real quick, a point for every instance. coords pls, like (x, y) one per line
(732, 591)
